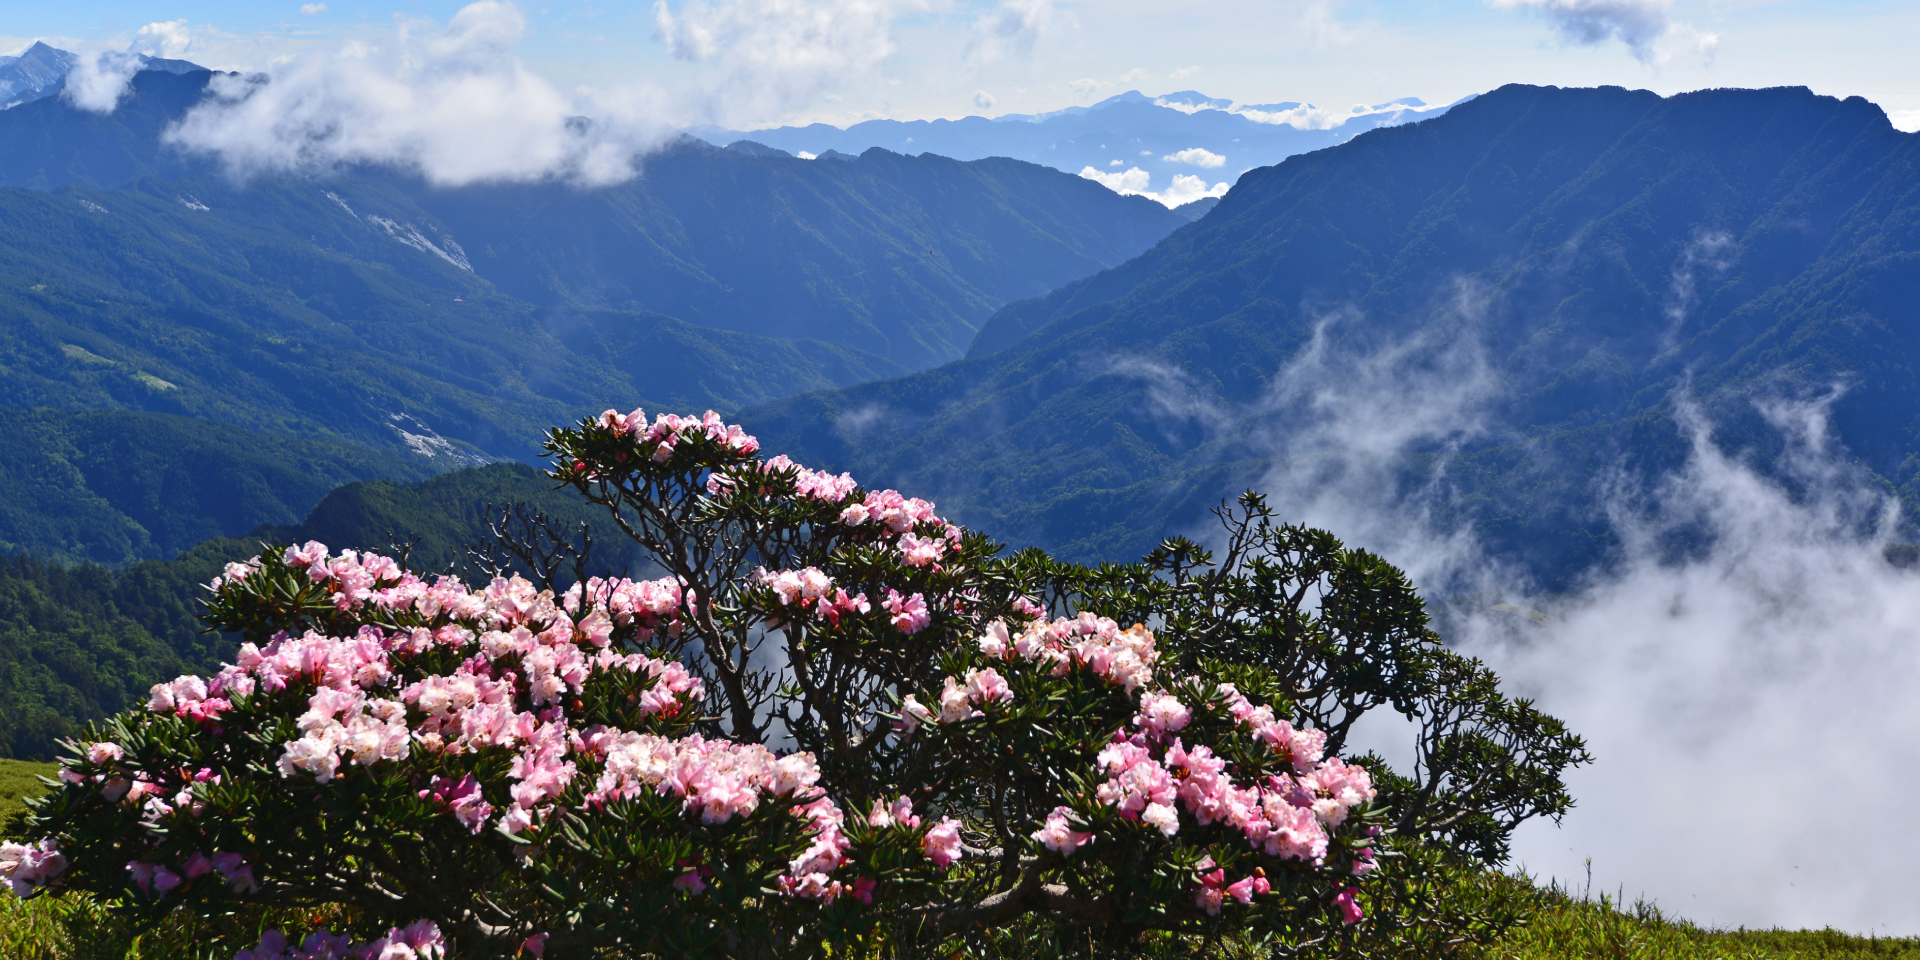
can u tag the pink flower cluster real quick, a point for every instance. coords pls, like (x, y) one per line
(161, 879)
(721, 780)
(813, 484)
(958, 701)
(669, 430)
(1214, 888)
(810, 589)
(909, 611)
(1058, 835)
(515, 640)
(420, 940)
(26, 867)
(1286, 816)
(1123, 657)
(940, 842)
(891, 511)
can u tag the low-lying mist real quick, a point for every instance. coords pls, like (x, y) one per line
(1749, 700)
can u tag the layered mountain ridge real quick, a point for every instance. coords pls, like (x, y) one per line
(452, 327)
(1584, 258)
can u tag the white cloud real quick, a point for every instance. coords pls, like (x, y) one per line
(452, 103)
(984, 100)
(101, 74)
(1010, 29)
(766, 58)
(310, 9)
(1762, 672)
(1645, 26)
(1198, 156)
(1135, 181)
(1184, 72)
(1905, 120)
(1135, 76)
(1115, 163)
(1791, 637)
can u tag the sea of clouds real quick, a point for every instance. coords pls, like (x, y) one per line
(1749, 704)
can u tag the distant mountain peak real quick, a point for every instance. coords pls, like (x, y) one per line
(41, 71)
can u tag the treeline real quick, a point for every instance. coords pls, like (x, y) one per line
(83, 642)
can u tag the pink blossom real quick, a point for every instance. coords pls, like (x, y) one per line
(536, 944)
(910, 614)
(942, 842)
(104, 753)
(1058, 835)
(27, 867)
(1349, 909)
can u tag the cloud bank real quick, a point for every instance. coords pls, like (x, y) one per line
(1749, 703)
(451, 103)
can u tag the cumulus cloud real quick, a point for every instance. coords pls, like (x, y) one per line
(1010, 29)
(310, 9)
(1133, 181)
(1645, 26)
(984, 100)
(765, 58)
(1135, 76)
(1759, 680)
(451, 103)
(1183, 73)
(1198, 156)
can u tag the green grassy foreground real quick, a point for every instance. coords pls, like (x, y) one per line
(1561, 926)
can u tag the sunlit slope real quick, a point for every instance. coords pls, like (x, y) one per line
(1567, 259)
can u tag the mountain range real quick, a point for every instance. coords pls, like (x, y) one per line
(1518, 295)
(1210, 140)
(40, 71)
(452, 327)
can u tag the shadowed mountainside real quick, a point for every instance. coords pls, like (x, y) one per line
(1570, 262)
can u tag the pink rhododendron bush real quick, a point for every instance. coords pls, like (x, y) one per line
(827, 722)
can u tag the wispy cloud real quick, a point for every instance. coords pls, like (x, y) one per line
(100, 76)
(766, 58)
(1645, 26)
(1009, 29)
(1753, 679)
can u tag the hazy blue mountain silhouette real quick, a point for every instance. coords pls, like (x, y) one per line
(1134, 129)
(1602, 251)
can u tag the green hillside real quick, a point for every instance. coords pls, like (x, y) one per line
(1587, 252)
(111, 487)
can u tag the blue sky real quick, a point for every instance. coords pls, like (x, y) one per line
(749, 62)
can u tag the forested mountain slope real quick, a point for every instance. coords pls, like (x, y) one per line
(80, 642)
(417, 328)
(894, 256)
(1580, 258)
